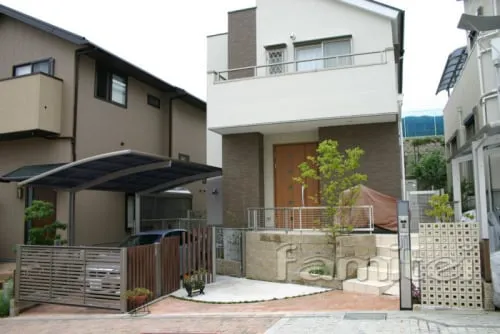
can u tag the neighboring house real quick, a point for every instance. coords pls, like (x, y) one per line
(472, 114)
(63, 98)
(291, 73)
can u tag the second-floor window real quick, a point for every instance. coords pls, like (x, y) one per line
(41, 66)
(276, 57)
(111, 86)
(325, 54)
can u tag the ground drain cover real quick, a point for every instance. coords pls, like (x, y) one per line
(365, 316)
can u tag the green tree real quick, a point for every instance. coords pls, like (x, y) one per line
(48, 234)
(440, 208)
(339, 187)
(430, 170)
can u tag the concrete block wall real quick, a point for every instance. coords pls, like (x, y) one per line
(450, 265)
(287, 257)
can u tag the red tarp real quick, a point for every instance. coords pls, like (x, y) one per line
(384, 208)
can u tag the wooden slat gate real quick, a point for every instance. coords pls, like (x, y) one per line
(77, 276)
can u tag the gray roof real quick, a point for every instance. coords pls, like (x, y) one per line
(99, 53)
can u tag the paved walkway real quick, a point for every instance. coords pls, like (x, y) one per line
(269, 323)
(236, 289)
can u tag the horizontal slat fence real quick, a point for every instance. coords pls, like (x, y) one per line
(100, 277)
(79, 276)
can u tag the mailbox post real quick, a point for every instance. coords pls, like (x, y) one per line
(404, 245)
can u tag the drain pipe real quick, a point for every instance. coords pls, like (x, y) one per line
(179, 93)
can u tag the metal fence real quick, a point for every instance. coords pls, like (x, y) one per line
(79, 276)
(279, 67)
(230, 251)
(419, 204)
(172, 223)
(306, 218)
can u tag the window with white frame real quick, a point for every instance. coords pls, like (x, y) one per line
(325, 54)
(276, 57)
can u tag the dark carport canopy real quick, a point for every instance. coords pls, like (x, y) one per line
(123, 171)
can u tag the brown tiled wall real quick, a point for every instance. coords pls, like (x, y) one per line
(242, 42)
(243, 180)
(381, 161)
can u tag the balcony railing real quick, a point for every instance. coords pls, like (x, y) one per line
(303, 66)
(361, 218)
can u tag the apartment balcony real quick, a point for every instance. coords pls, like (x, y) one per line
(303, 95)
(30, 106)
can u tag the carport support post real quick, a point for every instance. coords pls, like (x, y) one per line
(214, 255)
(137, 211)
(71, 225)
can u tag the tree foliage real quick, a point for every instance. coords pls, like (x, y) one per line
(48, 234)
(339, 186)
(430, 171)
(440, 208)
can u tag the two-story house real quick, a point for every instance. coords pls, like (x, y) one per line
(289, 74)
(63, 98)
(472, 114)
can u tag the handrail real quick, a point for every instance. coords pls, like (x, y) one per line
(382, 53)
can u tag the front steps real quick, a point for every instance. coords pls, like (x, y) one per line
(381, 276)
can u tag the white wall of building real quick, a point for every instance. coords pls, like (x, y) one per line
(306, 96)
(217, 54)
(318, 19)
(367, 89)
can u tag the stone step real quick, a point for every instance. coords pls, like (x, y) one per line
(378, 274)
(368, 287)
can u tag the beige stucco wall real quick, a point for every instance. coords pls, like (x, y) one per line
(189, 137)
(20, 44)
(15, 154)
(102, 127)
(281, 257)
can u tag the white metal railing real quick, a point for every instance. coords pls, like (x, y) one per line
(303, 66)
(172, 223)
(308, 218)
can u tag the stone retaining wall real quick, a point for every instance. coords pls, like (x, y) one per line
(278, 256)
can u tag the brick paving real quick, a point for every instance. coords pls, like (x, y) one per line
(445, 322)
(327, 301)
(180, 325)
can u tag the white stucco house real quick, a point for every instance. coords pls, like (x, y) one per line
(288, 74)
(472, 114)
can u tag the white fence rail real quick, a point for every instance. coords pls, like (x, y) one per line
(307, 218)
(306, 65)
(172, 223)
(79, 276)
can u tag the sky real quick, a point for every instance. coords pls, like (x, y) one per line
(168, 38)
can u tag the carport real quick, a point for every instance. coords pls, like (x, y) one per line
(124, 171)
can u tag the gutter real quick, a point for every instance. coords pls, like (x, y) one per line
(78, 53)
(180, 93)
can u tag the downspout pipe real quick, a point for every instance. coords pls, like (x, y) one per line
(179, 93)
(78, 54)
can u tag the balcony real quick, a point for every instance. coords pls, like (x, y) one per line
(351, 89)
(30, 106)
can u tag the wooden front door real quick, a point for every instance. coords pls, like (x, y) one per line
(287, 192)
